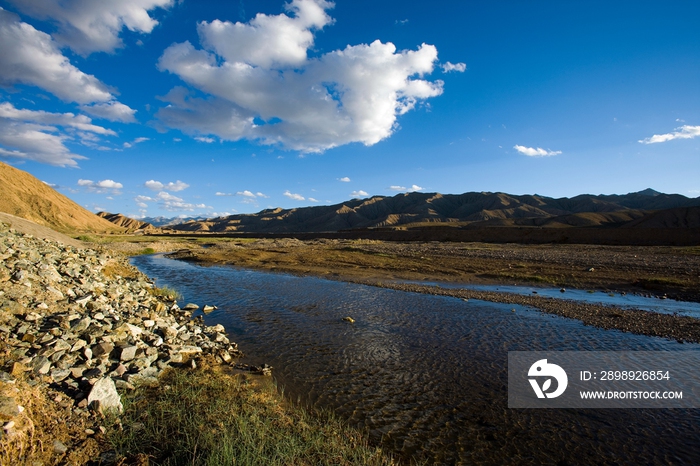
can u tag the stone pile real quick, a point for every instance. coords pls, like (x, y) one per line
(66, 322)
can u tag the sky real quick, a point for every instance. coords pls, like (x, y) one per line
(214, 107)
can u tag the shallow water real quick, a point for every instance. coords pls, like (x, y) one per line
(629, 301)
(427, 375)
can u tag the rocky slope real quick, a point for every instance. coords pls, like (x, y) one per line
(24, 196)
(85, 326)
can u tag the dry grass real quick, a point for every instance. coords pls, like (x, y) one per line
(43, 421)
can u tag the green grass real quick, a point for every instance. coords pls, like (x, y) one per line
(205, 417)
(166, 292)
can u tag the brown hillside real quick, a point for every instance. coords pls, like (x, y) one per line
(682, 217)
(24, 196)
(129, 224)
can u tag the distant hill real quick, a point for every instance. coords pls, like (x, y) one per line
(129, 224)
(24, 196)
(469, 210)
(169, 221)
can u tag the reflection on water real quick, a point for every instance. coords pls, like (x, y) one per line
(427, 375)
(631, 301)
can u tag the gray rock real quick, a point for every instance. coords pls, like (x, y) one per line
(104, 396)
(41, 365)
(128, 353)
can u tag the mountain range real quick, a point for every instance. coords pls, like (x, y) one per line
(648, 208)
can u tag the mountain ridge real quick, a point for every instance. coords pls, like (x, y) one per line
(471, 209)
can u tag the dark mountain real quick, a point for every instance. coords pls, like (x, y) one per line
(469, 209)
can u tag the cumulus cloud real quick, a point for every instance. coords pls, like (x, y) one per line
(158, 186)
(311, 199)
(88, 26)
(204, 139)
(29, 56)
(344, 179)
(296, 197)
(684, 132)
(536, 152)
(359, 193)
(261, 85)
(112, 111)
(413, 188)
(458, 67)
(101, 187)
(245, 193)
(173, 203)
(41, 136)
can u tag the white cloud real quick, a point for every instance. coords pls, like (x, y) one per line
(41, 136)
(89, 26)
(101, 186)
(173, 203)
(223, 194)
(158, 186)
(413, 188)
(204, 139)
(259, 194)
(112, 111)
(29, 56)
(536, 152)
(245, 193)
(311, 199)
(458, 67)
(262, 86)
(296, 197)
(344, 179)
(134, 142)
(359, 193)
(684, 132)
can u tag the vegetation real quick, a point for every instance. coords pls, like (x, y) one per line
(207, 417)
(166, 292)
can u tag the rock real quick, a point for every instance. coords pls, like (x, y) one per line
(190, 307)
(207, 309)
(102, 349)
(104, 396)
(59, 447)
(81, 325)
(41, 365)
(8, 408)
(128, 353)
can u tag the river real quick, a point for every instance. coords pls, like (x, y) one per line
(427, 375)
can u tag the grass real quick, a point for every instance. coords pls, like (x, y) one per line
(166, 292)
(207, 417)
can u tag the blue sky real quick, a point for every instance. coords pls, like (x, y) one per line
(206, 108)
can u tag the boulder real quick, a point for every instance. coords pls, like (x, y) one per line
(104, 397)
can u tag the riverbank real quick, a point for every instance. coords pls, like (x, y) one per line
(668, 272)
(89, 347)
